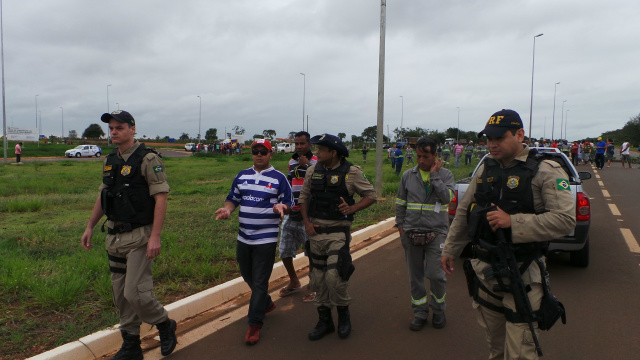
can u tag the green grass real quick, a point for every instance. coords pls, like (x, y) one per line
(52, 291)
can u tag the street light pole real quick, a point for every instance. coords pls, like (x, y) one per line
(118, 105)
(380, 112)
(108, 134)
(562, 120)
(199, 119)
(37, 109)
(553, 118)
(4, 111)
(533, 66)
(304, 95)
(566, 119)
(62, 116)
(458, 135)
(402, 119)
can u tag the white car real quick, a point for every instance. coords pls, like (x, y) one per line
(189, 146)
(285, 148)
(84, 150)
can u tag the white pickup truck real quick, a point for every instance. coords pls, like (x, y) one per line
(576, 243)
(284, 148)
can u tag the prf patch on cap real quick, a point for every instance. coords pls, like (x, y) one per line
(495, 120)
(563, 184)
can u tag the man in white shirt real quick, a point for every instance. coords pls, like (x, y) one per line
(625, 154)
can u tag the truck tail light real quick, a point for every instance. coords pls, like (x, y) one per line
(583, 207)
(453, 204)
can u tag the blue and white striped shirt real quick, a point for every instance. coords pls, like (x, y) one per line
(256, 193)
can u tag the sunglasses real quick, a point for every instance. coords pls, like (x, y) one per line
(262, 152)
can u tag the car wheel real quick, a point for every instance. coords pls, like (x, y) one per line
(98, 154)
(580, 258)
(77, 154)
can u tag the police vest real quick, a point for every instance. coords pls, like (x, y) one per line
(327, 187)
(127, 199)
(510, 189)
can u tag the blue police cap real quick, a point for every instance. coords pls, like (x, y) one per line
(330, 141)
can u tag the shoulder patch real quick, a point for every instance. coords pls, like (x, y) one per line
(157, 169)
(563, 184)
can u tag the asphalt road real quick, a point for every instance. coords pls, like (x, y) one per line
(601, 302)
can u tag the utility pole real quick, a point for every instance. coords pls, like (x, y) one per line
(380, 123)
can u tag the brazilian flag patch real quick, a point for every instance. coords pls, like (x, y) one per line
(563, 184)
(157, 169)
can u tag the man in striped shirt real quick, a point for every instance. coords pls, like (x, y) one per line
(293, 233)
(264, 197)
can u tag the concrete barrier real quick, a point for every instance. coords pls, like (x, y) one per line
(103, 342)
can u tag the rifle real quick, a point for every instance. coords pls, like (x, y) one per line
(507, 267)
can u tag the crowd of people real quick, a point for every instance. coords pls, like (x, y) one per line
(227, 148)
(313, 206)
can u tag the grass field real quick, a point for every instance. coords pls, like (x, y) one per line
(52, 291)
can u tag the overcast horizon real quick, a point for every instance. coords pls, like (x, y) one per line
(244, 59)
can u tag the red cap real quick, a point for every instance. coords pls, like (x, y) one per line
(263, 142)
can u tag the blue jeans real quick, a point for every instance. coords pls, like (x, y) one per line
(256, 264)
(399, 162)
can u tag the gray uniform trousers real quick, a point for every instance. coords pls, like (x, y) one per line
(424, 262)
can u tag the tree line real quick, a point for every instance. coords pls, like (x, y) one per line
(630, 132)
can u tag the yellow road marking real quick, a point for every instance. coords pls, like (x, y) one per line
(631, 241)
(614, 210)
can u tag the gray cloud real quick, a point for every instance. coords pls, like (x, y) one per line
(244, 58)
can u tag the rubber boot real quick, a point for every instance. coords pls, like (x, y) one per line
(344, 322)
(168, 339)
(324, 325)
(131, 349)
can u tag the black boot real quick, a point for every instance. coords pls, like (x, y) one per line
(168, 340)
(344, 322)
(324, 325)
(130, 349)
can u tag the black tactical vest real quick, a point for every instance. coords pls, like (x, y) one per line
(327, 187)
(510, 189)
(127, 199)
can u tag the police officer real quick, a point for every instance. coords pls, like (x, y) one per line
(133, 195)
(534, 206)
(327, 207)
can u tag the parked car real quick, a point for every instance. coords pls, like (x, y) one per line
(84, 150)
(576, 243)
(284, 148)
(189, 146)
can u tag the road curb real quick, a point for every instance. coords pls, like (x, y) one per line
(103, 342)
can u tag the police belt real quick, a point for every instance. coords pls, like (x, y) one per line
(332, 229)
(522, 253)
(123, 228)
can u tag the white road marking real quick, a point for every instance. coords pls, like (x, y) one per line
(600, 183)
(597, 176)
(605, 193)
(614, 210)
(631, 241)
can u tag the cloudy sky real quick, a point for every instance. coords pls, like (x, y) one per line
(244, 59)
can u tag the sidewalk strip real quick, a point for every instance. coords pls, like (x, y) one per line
(631, 241)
